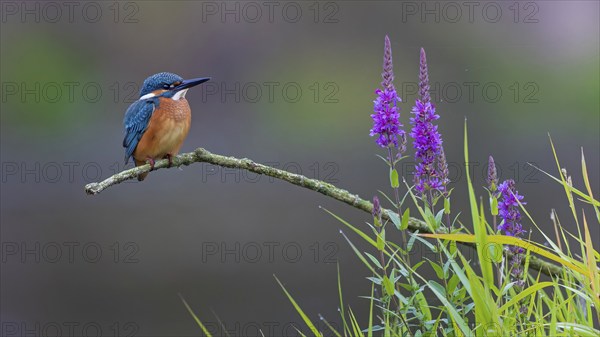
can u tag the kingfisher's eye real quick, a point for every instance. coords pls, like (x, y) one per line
(166, 86)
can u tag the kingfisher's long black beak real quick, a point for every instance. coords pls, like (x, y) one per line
(191, 83)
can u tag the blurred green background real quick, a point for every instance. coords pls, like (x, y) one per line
(292, 85)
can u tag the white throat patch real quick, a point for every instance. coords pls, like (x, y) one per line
(146, 96)
(180, 94)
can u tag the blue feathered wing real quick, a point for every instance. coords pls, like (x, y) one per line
(136, 122)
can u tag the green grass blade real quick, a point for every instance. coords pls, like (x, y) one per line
(566, 186)
(370, 331)
(574, 190)
(478, 227)
(456, 316)
(354, 229)
(342, 313)
(581, 330)
(355, 325)
(523, 294)
(360, 255)
(510, 240)
(198, 321)
(586, 181)
(328, 325)
(305, 318)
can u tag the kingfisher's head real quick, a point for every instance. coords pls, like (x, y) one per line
(168, 85)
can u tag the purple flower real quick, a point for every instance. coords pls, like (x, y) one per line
(386, 119)
(427, 143)
(376, 212)
(508, 208)
(388, 66)
(492, 176)
(443, 168)
(376, 208)
(386, 122)
(423, 79)
(511, 225)
(427, 140)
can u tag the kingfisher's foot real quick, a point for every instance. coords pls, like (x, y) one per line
(151, 162)
(170, 158)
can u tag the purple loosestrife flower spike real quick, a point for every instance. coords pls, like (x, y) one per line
(427, 140)
(492, 177)
(443, 168)
(427, 143)
(423, 79)
(376, 212)
(386, 119)
(511, 225)
(509, 209)
(388, 66)
(376, 207)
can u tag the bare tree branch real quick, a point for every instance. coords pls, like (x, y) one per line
(201, 155)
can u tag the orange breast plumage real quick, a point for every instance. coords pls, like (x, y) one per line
(167, 129)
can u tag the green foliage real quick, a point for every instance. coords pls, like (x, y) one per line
(196, 319)
(394, 178)
(470, 298)
(482, 301)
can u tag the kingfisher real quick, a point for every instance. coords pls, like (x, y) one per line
(158, 122)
